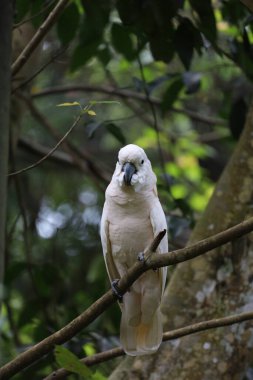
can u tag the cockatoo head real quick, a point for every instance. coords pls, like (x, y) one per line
(134, 168)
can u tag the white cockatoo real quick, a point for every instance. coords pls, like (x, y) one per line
(132, 216)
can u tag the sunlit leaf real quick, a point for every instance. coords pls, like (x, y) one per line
(68, 104)
(91, 113)
(89, 349)
(70, 362)
(98, 376)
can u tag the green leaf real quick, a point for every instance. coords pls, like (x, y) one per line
(161, 48)
(171, 94)
(89, 349)
(14, 270)
(207, 23)
(22, 7)
(98, 376)
(83, 53)
(79, 6)
(37, 16)
(114, 130)
(91, 113)
(122, 41)
(187, 38)
(70, 362)
(104, 55)
(68, 23)
(68, 104)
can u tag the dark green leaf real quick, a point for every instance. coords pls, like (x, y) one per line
(92, 128)
(122, 41)
(104, 55)
(171, 94)
(187, 38)
(114, 130)
(22, 7)
(14, 270)
(242, 57)
(162, 49)
(82, 54)
(30, 311)
(237, 117)
(36, 12)
(70, 362)
(207, 23)
(68, 24)
(233, 11)
(98, 376)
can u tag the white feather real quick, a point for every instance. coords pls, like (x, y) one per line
(132, 216)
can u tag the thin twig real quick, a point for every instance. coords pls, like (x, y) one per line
(50, 152)
(113, 353)
(37, 72)
(28, 19)
(82, 159)
(125, 93)
(98, 307)
(38, 37)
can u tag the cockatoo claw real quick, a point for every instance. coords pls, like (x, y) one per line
(115, 290)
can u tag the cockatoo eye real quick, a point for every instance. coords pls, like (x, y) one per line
(142, 162)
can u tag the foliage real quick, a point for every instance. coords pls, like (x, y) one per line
(69, 361)
(185, 66)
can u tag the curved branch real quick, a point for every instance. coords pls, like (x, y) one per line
(39, 35)
(123, 93)
(102, 357)
(152, 261)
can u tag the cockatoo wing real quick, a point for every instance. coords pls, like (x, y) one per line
(159, 223)
(106, 245)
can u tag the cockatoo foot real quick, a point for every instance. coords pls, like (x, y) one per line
(116, 291)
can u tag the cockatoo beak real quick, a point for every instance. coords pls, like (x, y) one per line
(129, 169)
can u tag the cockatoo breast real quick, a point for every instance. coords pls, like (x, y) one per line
(130, 228)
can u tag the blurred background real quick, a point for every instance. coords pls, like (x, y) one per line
(173, 78)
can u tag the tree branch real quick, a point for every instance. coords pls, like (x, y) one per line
(97, 308)
(248, 4)
(39, 35)
(102, 357)
(38, 71)
(43, 10)
(123, 93)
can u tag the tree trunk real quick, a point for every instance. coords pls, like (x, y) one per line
(6, 13)
(213, 285)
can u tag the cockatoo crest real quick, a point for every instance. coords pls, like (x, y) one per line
(134, 168)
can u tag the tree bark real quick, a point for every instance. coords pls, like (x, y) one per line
(6, 13)
(212, 285)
